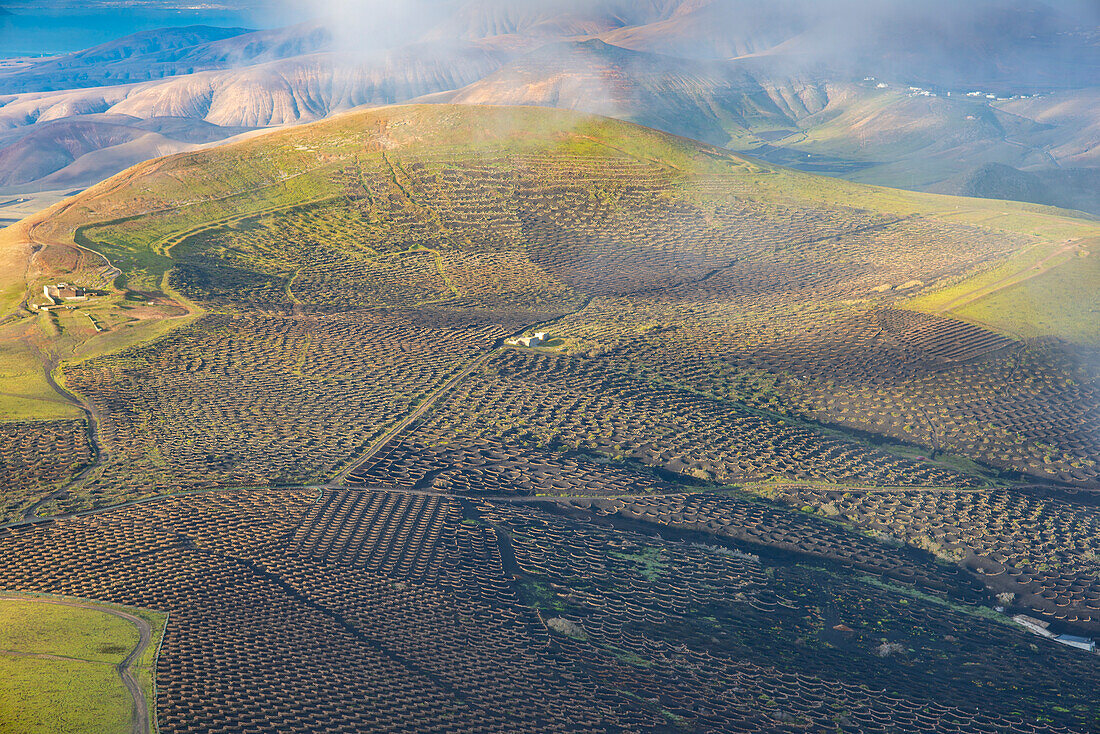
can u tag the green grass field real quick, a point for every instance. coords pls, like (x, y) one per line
(58, 667)
(25, 395)
(1062, 301)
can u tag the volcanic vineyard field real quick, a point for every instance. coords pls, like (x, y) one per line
(592, 405)
(411, 523)
(1043, 550)
(244, 399)
(1002, 537)
(37, 458)
(639, 262)
(1022, 408)
(427, 613)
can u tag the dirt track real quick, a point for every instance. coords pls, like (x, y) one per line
(442, 390)
(139, 715)
(92, 418)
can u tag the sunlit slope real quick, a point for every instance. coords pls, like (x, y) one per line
(61, 660)
(173, 195)
(138, 218)
(1055, 295)
(334, 276)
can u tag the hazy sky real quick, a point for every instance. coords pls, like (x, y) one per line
(56, 26)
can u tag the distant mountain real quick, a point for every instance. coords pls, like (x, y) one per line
(257, 47)
(998, 181)
(718, 30)
(152, 55)
(299, 89)
(474, 19)
(48, 154)
(1014, 47)
(147, 45)
(1071, 110)
(903, 96)
(707, 100)
(1074, 188)
(798, 116)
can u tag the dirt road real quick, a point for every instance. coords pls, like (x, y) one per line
(139, 715)
(443, 389)
(98, 454)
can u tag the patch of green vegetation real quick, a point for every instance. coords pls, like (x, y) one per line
(1063, 301)
(628, 657)
(980, 612)
(30, 343)
(678, 722)
(35, 627)
(58, 665)
(963, 464)
(25, 394)
(1047, 223)
(539, 595)
(14, 252)
(44, 696)
(651, 564)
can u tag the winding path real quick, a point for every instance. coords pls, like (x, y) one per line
(98, 454)
(139, 713)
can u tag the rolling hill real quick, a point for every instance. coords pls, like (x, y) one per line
(71, 153)
(1072, 188)
(531, 420)
(316, 166)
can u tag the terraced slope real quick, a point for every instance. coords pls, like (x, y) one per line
(741, 485)
(713, 276)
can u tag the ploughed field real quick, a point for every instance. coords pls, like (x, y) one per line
(741, 487)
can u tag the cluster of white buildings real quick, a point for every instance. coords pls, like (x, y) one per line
(55, 294)
(528, 341)
(915, 91)
(996, 97)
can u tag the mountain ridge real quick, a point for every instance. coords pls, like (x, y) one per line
(753, 76)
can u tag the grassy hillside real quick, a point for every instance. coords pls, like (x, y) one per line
(1060, 297)
(59, 658)
(138, 216)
